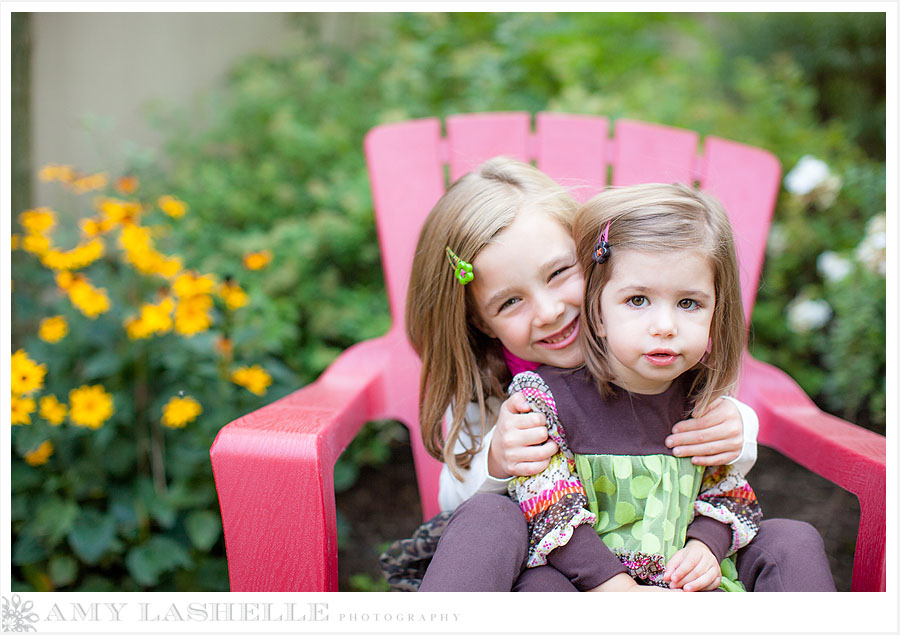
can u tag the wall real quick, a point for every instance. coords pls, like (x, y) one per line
(106, 67)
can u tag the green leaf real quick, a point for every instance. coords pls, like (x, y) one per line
(92, 535)
(203, 528)
(63, 570)
(23, 477)
(345, 474)
(101, 365)
(53, 519)
(159, 506)
(158, 555)
(27, 550)
(142, 566)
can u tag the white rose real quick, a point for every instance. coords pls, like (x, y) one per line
(777, 242)
(806, 176)
(805, 314)
(833, 267)
(871, 251)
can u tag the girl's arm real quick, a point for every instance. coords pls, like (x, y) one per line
(725, 434)
(477, 479)
(554, 501)
(517, 445)
(727, 514)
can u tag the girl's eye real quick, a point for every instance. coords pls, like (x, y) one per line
(637, 301)
(560, 271)
(507, 304)
(687, 304)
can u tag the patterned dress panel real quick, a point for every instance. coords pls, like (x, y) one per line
(643, 506)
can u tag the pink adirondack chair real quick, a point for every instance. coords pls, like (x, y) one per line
(274, 467)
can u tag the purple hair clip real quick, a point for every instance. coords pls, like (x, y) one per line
(602, 249)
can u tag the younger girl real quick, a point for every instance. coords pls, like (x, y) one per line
(662, 333)
(464, 361)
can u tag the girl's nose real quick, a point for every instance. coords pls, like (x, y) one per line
(549, 308)
(663, 324)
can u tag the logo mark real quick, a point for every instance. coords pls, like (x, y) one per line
(18, 616)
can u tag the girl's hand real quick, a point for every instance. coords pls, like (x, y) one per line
(693, 568)
(520, 445)
(713, 438)
(622, 582)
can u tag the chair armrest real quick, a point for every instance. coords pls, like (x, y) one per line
(846, 454)
(274, 468)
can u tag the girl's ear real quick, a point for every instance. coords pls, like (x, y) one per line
(481, 326)
(601, 328)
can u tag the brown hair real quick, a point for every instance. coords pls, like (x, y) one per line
(461, 364)
(659, 217)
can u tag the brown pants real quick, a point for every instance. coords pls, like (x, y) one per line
(484, 545)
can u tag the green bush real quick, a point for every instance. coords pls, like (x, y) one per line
(276, 164)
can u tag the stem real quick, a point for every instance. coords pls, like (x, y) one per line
(140, 411)
(153, 435)
(158, 459)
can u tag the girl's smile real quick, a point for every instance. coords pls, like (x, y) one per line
(563, 338)
(528, 288)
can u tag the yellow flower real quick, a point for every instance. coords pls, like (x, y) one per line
(135, 238)
(253, 378)
(180, 411)
(87, 299)
(52, 410)
(127, 184)
(154, 319)
(16, 241)
(257, 259)
(22, 407)
(65, 279)
(136, 329)
(118, 212)
(234, 296)
(40, 454)
(90, 406)
(90, 182)
(36, 243)
(139, 251)
(172, 206)
(91, 227)
(192, 315)
(76, 258)
(167, 266)
(56, 172)
(27, 376)
(38, 221)
(53, 329)
(189, 284)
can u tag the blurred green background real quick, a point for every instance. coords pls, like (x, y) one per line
(273, 164)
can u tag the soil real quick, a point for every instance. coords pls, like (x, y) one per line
(384, 505)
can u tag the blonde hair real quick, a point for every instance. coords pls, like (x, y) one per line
(460, 363)
(659, 217)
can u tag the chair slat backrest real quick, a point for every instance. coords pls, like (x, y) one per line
(472, 139)
(406, 164)
(746, 181)
(575, 150)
